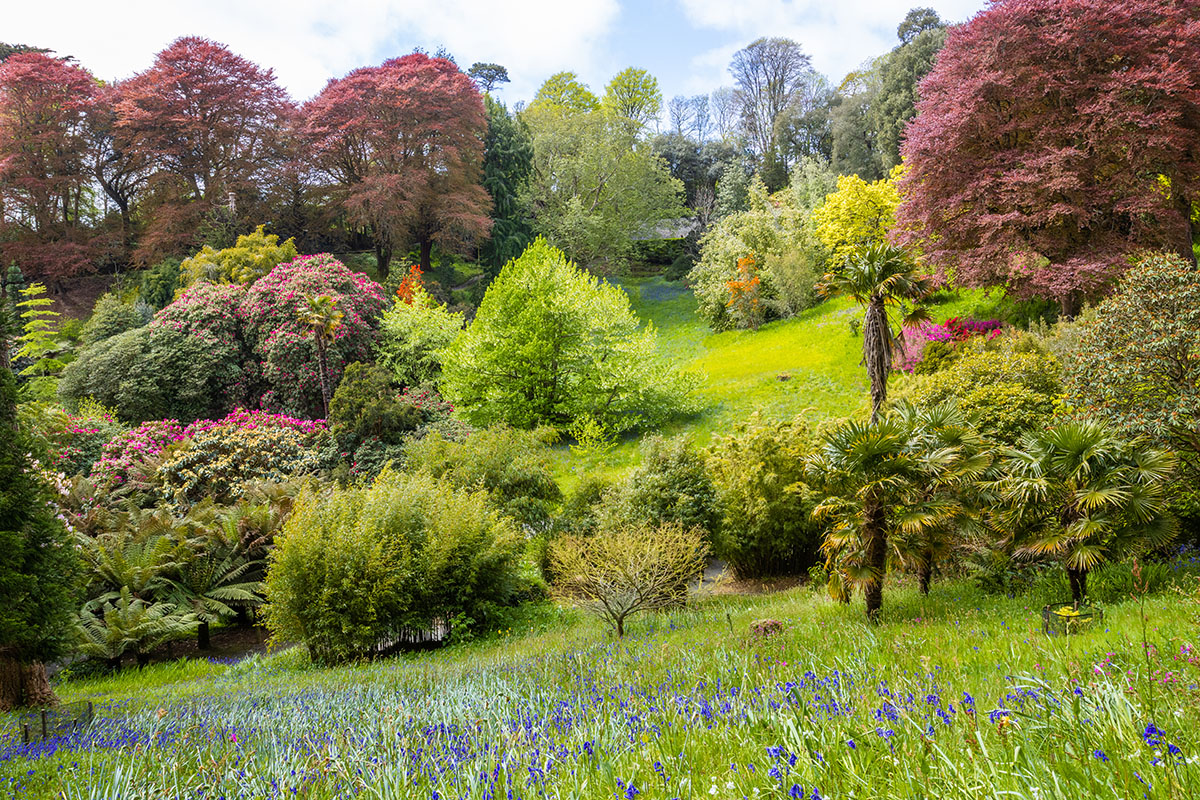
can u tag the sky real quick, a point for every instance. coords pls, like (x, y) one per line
(686, 44)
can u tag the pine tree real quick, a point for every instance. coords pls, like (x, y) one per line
(37, 568)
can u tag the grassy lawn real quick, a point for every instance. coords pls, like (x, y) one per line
(806, 365)
(958, 695)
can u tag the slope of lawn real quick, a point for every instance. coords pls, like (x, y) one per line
(806, 365)
(958, 695)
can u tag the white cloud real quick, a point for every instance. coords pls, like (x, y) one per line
(307, 42)
(839, 35)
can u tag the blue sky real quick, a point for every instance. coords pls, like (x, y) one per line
(686, 44)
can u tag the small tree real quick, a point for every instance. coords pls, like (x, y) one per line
(879, 276)
(856, 216)
(39, 343)
(628, 570)
(1079, 493)
(321, 316)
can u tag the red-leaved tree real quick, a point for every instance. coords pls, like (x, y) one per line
(1053, 138)
(403, 142)
(210, 120)
(44, 169)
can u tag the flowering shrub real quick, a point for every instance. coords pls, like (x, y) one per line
(129, 449)
(951, 332)
(65, 442)
(214, 458)
(284, 345)
(744, 304)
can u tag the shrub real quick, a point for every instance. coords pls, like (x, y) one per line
(552, 344)
(513, 466)
(1003, 411)
(766, 506)
(111, 316)
(78, 439)
(284, 346)
(679, 268)
(216, 458)
(355, 568)
(671, 484)
(413, 336)
(369, 420)
(124, 454)
(253, 256)
(159, 283)
(116, 373)
(630, 569)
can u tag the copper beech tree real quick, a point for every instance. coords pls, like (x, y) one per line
(44, 165)
(403, 145)
(1053, 138)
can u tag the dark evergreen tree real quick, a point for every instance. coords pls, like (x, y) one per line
(507, 165)
(38, 569)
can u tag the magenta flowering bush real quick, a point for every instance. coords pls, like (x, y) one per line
(126, 452)
(284, 346)
(951, 332)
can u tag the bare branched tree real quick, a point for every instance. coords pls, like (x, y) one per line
(769, 73)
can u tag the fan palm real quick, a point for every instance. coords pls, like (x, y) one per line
(320, 314)
(879, 277)
(1080, 493)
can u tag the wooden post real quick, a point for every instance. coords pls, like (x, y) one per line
(24, 733)
(45, 733)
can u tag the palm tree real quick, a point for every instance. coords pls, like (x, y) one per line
(937, 512)
(1080, 493)
(320, 314)
(904, 484)
(879, 277)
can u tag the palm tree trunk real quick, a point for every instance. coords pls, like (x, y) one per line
(875, 544)
(324, 370)
(925, 572)
(1078, 579)
(877, 353)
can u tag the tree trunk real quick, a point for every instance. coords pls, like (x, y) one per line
(324, 377)
(1183, 205)
(383, 260)
(925, 573)
(1078, 579)
(202, 638)
(426, 255)
(243, 616)
(877, 353)
(620, 627)
(875, 543)
(23, 685)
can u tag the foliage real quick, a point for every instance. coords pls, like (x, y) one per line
(1136, 362)
(369, 420)
(512, 466)
(356, 568)
(764, 500)
(44, 176)
(745, 304)
(403, 144)
(563, 93)
(507, 166)
(126, 453)
(217, 458)
(856, 216)
(39, 343)
(595, 186)
(486, 76)
(130, 624)
(38, 567)
(1103, 98)
(633, 95)
(671, 484)
(69, 442)
(209, 123)
(285, 347)
(775, 229)
(631, 569)
(413, 336)
(111, 315)
(769, 74)
(159, 283)
(253, 256)
(880, 277)
(1078, 493)
(552, 344)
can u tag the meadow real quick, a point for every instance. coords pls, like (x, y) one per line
(958, 694)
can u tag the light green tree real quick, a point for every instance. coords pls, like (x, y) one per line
(857, 215)
(413, 336)
(564, 93)
(633, 94)
(40, 343)
(254, 255)
(552, 344)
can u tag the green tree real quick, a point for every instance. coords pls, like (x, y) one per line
(563, 93)
(39, 343)
(1137, 362)
(595, 186)
(487, 76)
(413, 337)
(321, 316)
(857, 215)
(633, 94)
(880, 277)
(1080, 493)
(254, 255)
(507, 166)
(38, 568)
(551, 344)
